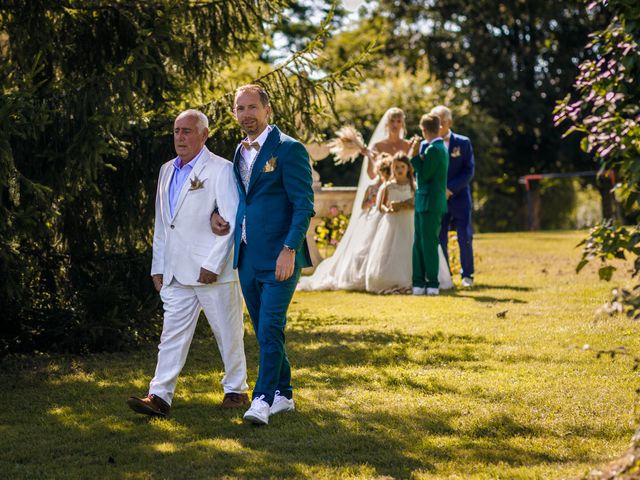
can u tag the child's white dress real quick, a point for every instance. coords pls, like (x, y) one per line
(389, 264)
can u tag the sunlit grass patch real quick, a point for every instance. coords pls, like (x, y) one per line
(499, 381)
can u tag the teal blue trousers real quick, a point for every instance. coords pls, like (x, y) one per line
(267, 301)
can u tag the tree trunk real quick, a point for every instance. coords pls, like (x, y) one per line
(610, 208)
(535, 204)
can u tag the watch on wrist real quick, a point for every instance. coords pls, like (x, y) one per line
(288, 248)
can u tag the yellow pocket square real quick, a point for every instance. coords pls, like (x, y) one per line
(271, 165)
(455, 153)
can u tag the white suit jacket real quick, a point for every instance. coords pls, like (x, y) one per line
(184, 242)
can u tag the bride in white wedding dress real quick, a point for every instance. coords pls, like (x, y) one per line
(346, 268)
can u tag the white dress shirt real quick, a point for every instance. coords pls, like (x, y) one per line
(446, 139)
(249, 156)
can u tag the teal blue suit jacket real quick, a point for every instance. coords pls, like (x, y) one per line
(278, 204)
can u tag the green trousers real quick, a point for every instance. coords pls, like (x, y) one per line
(425, 249)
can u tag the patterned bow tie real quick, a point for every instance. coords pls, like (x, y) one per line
(249, 145)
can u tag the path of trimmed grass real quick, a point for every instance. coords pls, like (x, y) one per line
(387, 387)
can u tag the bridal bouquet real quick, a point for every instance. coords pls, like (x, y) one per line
(347, 145)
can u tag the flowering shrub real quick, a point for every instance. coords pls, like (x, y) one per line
(454, 253)
(606, 110)
(331, 228)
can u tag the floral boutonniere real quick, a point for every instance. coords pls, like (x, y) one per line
(455, 153)
(271, 165)
(196, 183)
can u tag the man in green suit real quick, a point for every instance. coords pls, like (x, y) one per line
(430, 161)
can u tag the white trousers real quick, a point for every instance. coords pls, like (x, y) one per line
(222, 305)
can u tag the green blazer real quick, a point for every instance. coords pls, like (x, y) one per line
(431, 174)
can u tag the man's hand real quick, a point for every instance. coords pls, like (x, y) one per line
(414, 148)
(285, 264)
(219, 225)
(157, 281)
(206, 276)
(449, 194)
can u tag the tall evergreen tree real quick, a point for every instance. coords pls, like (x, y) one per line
(89, 93)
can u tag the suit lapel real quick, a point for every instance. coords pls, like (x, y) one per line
(165, 182)
(271, 143)
(197, 170)
(452, 140)
(237, 158)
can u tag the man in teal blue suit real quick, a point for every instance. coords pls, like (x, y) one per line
(273, 175)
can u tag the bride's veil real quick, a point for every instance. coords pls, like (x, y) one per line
(379, 134)
(330, 274)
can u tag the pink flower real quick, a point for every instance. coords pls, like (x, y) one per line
(333, 210)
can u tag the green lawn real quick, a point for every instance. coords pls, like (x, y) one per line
(386, 387)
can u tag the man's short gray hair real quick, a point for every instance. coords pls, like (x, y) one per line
(201, 119)
(443, 112)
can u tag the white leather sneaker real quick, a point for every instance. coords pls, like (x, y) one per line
(467, 282)
(281, 404)
(433, 291)
(418, 290)
(258, 412)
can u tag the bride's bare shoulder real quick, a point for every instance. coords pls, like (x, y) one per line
(389, 147)
(380, 144)
(383, 146)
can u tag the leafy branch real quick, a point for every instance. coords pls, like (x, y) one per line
(299, 89)
(606, 111)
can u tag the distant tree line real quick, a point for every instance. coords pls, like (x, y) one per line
(507, 64)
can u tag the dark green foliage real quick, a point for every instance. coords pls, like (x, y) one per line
(607, 242)
(89, 93)
(558, 201)
(105, 303)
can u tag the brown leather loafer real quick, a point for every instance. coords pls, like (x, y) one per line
(151, 405)
(235, 400)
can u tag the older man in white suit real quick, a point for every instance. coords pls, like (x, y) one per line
(192, 268)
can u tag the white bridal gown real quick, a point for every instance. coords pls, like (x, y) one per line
(389, 264)
(346, 268)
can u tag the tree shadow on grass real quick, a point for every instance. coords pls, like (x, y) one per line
(502, 426)
(328, 347)
(488, 298)
(78, 425)
(486, 286)
(201, 441)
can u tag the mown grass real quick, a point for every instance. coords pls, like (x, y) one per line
(386, 387)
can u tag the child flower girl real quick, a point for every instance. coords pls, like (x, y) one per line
(389, 264)
(371, 211)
